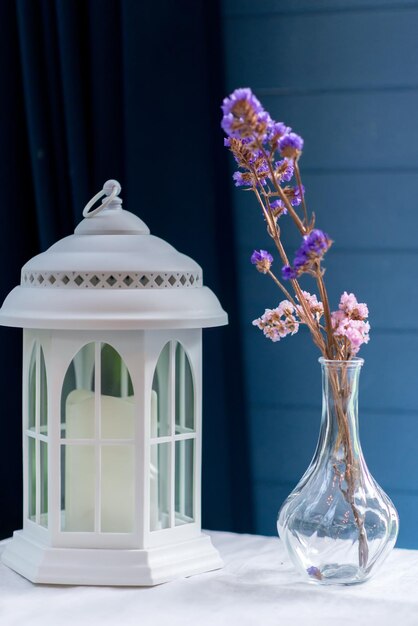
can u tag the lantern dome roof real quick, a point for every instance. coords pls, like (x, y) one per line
(111, 273)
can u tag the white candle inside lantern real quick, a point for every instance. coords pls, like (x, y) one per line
(117, 463)
(116, 466)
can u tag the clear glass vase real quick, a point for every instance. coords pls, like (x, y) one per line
(338, 525)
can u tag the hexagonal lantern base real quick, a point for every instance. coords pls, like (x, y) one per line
(75, 566)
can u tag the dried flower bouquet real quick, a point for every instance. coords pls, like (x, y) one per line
(267, 154)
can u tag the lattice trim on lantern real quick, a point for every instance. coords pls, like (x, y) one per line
(112, 280)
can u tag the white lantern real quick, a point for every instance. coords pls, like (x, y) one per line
(112, 392)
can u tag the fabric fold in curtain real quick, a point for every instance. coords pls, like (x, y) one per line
(73, 105)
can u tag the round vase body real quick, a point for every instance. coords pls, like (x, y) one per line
(338, 525)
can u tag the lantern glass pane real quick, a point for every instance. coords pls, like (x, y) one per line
(32, 391)
(77, 487)
(184, 392)
(117, 489)
(77, 398)
(44, 483)
(115, 377)
(32, 479)
(117, 399)
(160, 397)
(184, 481)
(43, 396)
(160, 486)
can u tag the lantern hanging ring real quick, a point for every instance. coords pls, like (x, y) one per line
(111, 188)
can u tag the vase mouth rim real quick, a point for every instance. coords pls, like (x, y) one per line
(335, 363)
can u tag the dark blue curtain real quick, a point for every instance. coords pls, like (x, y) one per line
(126, 90)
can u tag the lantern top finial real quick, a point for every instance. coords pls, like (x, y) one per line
(111, 273)
(109, 216)
(111, 186)
(111, 189)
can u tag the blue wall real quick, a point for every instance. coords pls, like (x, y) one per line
(343, 74)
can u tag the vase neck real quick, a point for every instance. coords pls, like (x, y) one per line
(340, 383)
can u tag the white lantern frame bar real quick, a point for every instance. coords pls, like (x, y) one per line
(32, 344)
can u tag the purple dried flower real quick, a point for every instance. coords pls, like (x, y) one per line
(313, 248)
(243, 179)
(279, 128)
(244, 116)
(293, 194)
(278, 207)
(276, 131)
(239, 95)
(284, 170)
(316, 243)
(264, 116)
(301, 261)
(262, 260)
(315, 572)
(239, 179)
(288, 273)
(290, 145)
(298, 193)
(260, 163)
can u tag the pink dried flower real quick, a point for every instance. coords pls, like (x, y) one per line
(350, 306)
(272, 332)
(285, 308)
(357, 332)
(350, 321)
(315, 307)
(279, 322)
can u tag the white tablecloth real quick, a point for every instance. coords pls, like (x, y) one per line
(257, 587)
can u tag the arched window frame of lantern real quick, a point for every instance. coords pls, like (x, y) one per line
(149, 303)
(60, 348)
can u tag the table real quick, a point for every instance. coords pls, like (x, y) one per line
(257, 587)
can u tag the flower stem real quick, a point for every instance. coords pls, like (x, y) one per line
(271, 225)
(341, 392)
(282, 287)
(327, 312)
(302, 195)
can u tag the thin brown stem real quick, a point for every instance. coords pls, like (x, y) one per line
(302, 195)
(281, 250)
(341, 393)
(327, 312)
(282, 287)
(271, 226)
(311, 323)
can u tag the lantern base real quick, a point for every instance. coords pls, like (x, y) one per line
(87, 566)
